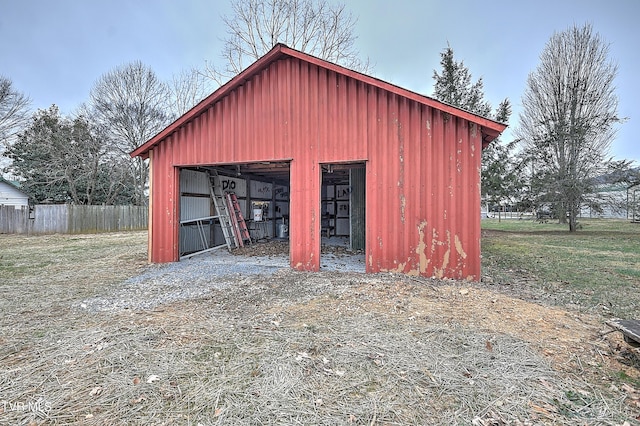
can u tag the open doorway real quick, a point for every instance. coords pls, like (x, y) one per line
(260, 201)
(342, 225)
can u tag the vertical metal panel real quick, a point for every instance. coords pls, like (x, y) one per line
(357, 182)
(191, 238)
(305, 215)
(261, 190)
(164, 222)
(194, 207)
(305, 177)
(235, 185)
(194, 182)
(421, 177)
(150, 220)
(422, 181)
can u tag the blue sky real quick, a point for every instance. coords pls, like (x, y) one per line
(54, 51)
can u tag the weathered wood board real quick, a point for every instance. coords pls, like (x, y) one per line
(630, 329)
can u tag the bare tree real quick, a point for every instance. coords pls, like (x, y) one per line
(134, 106)
(569, 116)
(316, 27)
(14, 109)
(14, 115)
(187, 89)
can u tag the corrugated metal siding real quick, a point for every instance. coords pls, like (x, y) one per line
(194, 208)
(191, 238)
(422, 165)
(357, 180)
(194, 182)
(164, 216)
(422, 179)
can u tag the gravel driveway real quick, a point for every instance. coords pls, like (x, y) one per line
(199, 275)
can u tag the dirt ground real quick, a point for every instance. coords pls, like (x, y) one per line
(296, 348)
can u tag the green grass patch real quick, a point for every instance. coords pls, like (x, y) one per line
(15, 268)
(622, 377)
(58, 256)
(633, 273)
(596, 267)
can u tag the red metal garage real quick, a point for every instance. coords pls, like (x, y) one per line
(421, 161)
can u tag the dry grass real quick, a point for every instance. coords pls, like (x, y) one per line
(293, 348)
(596, 269)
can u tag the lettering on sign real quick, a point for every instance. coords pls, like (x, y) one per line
(228, 185)
(343, 192)
(264, 190)
(282, 193)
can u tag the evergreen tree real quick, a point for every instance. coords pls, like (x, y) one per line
(64, 160)
(454, 85)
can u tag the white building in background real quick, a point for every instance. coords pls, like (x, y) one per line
(12, 195)
(613, 202)
(633, 197)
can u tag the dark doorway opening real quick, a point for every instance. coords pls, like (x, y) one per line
(342, 224)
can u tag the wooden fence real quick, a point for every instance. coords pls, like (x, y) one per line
(71, 219)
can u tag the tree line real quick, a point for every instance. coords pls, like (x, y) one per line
(84, 158)
(558, 156)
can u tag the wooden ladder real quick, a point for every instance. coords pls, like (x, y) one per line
(223, 216)
(237, 219)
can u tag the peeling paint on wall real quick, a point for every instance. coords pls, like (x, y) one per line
(440, 272)
(400, 268)
(401, 171)
(447, 268)
(459, 248)
(420, 249)
(435, 243)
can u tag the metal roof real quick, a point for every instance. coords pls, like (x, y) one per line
(490, 128)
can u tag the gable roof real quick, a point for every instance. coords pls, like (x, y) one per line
(490, 128)
(12, 183)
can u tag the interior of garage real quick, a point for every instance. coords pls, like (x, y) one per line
(343, 202)
(262, 194)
